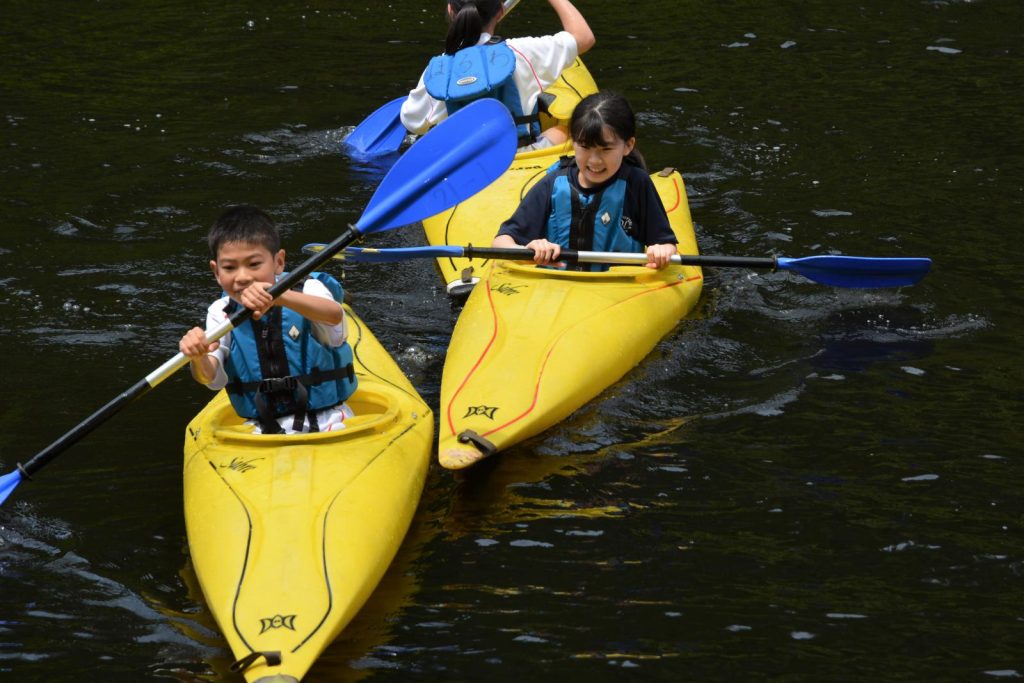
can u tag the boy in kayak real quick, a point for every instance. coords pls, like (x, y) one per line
(601, 200)
(288, 368)
(476, 64)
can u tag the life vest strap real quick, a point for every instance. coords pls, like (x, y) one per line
(281, 384)
(528, 120)
(581, 229)
(291, 392)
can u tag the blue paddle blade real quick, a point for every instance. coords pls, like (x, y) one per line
(858, 271)
(381, 132)
(451, 163)
(8, 483)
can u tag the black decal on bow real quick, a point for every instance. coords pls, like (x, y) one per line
(486, 411)
(277, 621)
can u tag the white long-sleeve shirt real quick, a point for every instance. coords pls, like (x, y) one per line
(539, 63)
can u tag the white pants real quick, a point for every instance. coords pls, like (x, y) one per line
(328, 419)
(541, 143)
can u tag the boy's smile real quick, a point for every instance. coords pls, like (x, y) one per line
(240, 264)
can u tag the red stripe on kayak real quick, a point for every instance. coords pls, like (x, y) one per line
(540, 376)
(679, 196)
(494, 335)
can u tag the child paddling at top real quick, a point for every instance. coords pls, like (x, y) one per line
(289, 367)
(475, 60)
(601, 200)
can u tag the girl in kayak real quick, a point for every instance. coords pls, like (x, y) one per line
(601, 200)
(288, 368)
(515, 71)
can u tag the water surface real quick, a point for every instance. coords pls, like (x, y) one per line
(800, 483)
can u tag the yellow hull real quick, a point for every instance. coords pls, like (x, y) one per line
(534, 344)
(289, 535)
(476, 220)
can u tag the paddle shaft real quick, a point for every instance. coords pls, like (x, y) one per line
(522, 253)
(180, 360)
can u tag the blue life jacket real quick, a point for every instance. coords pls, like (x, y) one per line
(278, 367)
(481, 71)
(588, 222)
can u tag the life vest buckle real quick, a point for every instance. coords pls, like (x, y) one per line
(276, 385)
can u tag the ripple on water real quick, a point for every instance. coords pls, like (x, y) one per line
(61, 585)
(291, 144)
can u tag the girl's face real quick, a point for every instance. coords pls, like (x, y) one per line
(239, 264)
(600, 162)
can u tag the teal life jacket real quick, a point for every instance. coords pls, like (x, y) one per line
(588, 222)
(481, 71)
(278, 367)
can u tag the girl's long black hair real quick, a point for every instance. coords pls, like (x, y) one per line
(469, 17)
(604, 108)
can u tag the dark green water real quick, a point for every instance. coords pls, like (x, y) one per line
(800, 484)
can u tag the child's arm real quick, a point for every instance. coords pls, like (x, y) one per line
(544, 252)
(654, 226)
(504, 242)
(527, 225)
(204, 367)
(314, 308)
(658, 255)
(574, 23)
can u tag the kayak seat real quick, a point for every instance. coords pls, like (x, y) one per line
(372, 411)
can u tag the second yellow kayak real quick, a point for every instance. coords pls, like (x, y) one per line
(534, 344)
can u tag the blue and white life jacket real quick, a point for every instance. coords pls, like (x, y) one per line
(278, 367)
(481, 71)
(588, 222)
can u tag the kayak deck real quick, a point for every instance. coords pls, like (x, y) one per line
(289, 534)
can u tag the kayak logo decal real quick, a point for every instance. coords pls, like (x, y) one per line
(277, 621)
(239, 465)
(507, 289)
(486, 411)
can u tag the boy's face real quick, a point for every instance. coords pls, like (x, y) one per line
(240, 264)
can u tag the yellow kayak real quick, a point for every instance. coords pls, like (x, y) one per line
(534, 344)
(476, 220)
(289, 534)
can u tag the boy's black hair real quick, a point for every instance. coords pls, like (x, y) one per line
(243, 223)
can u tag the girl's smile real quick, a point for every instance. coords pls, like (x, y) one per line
(599, 163)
